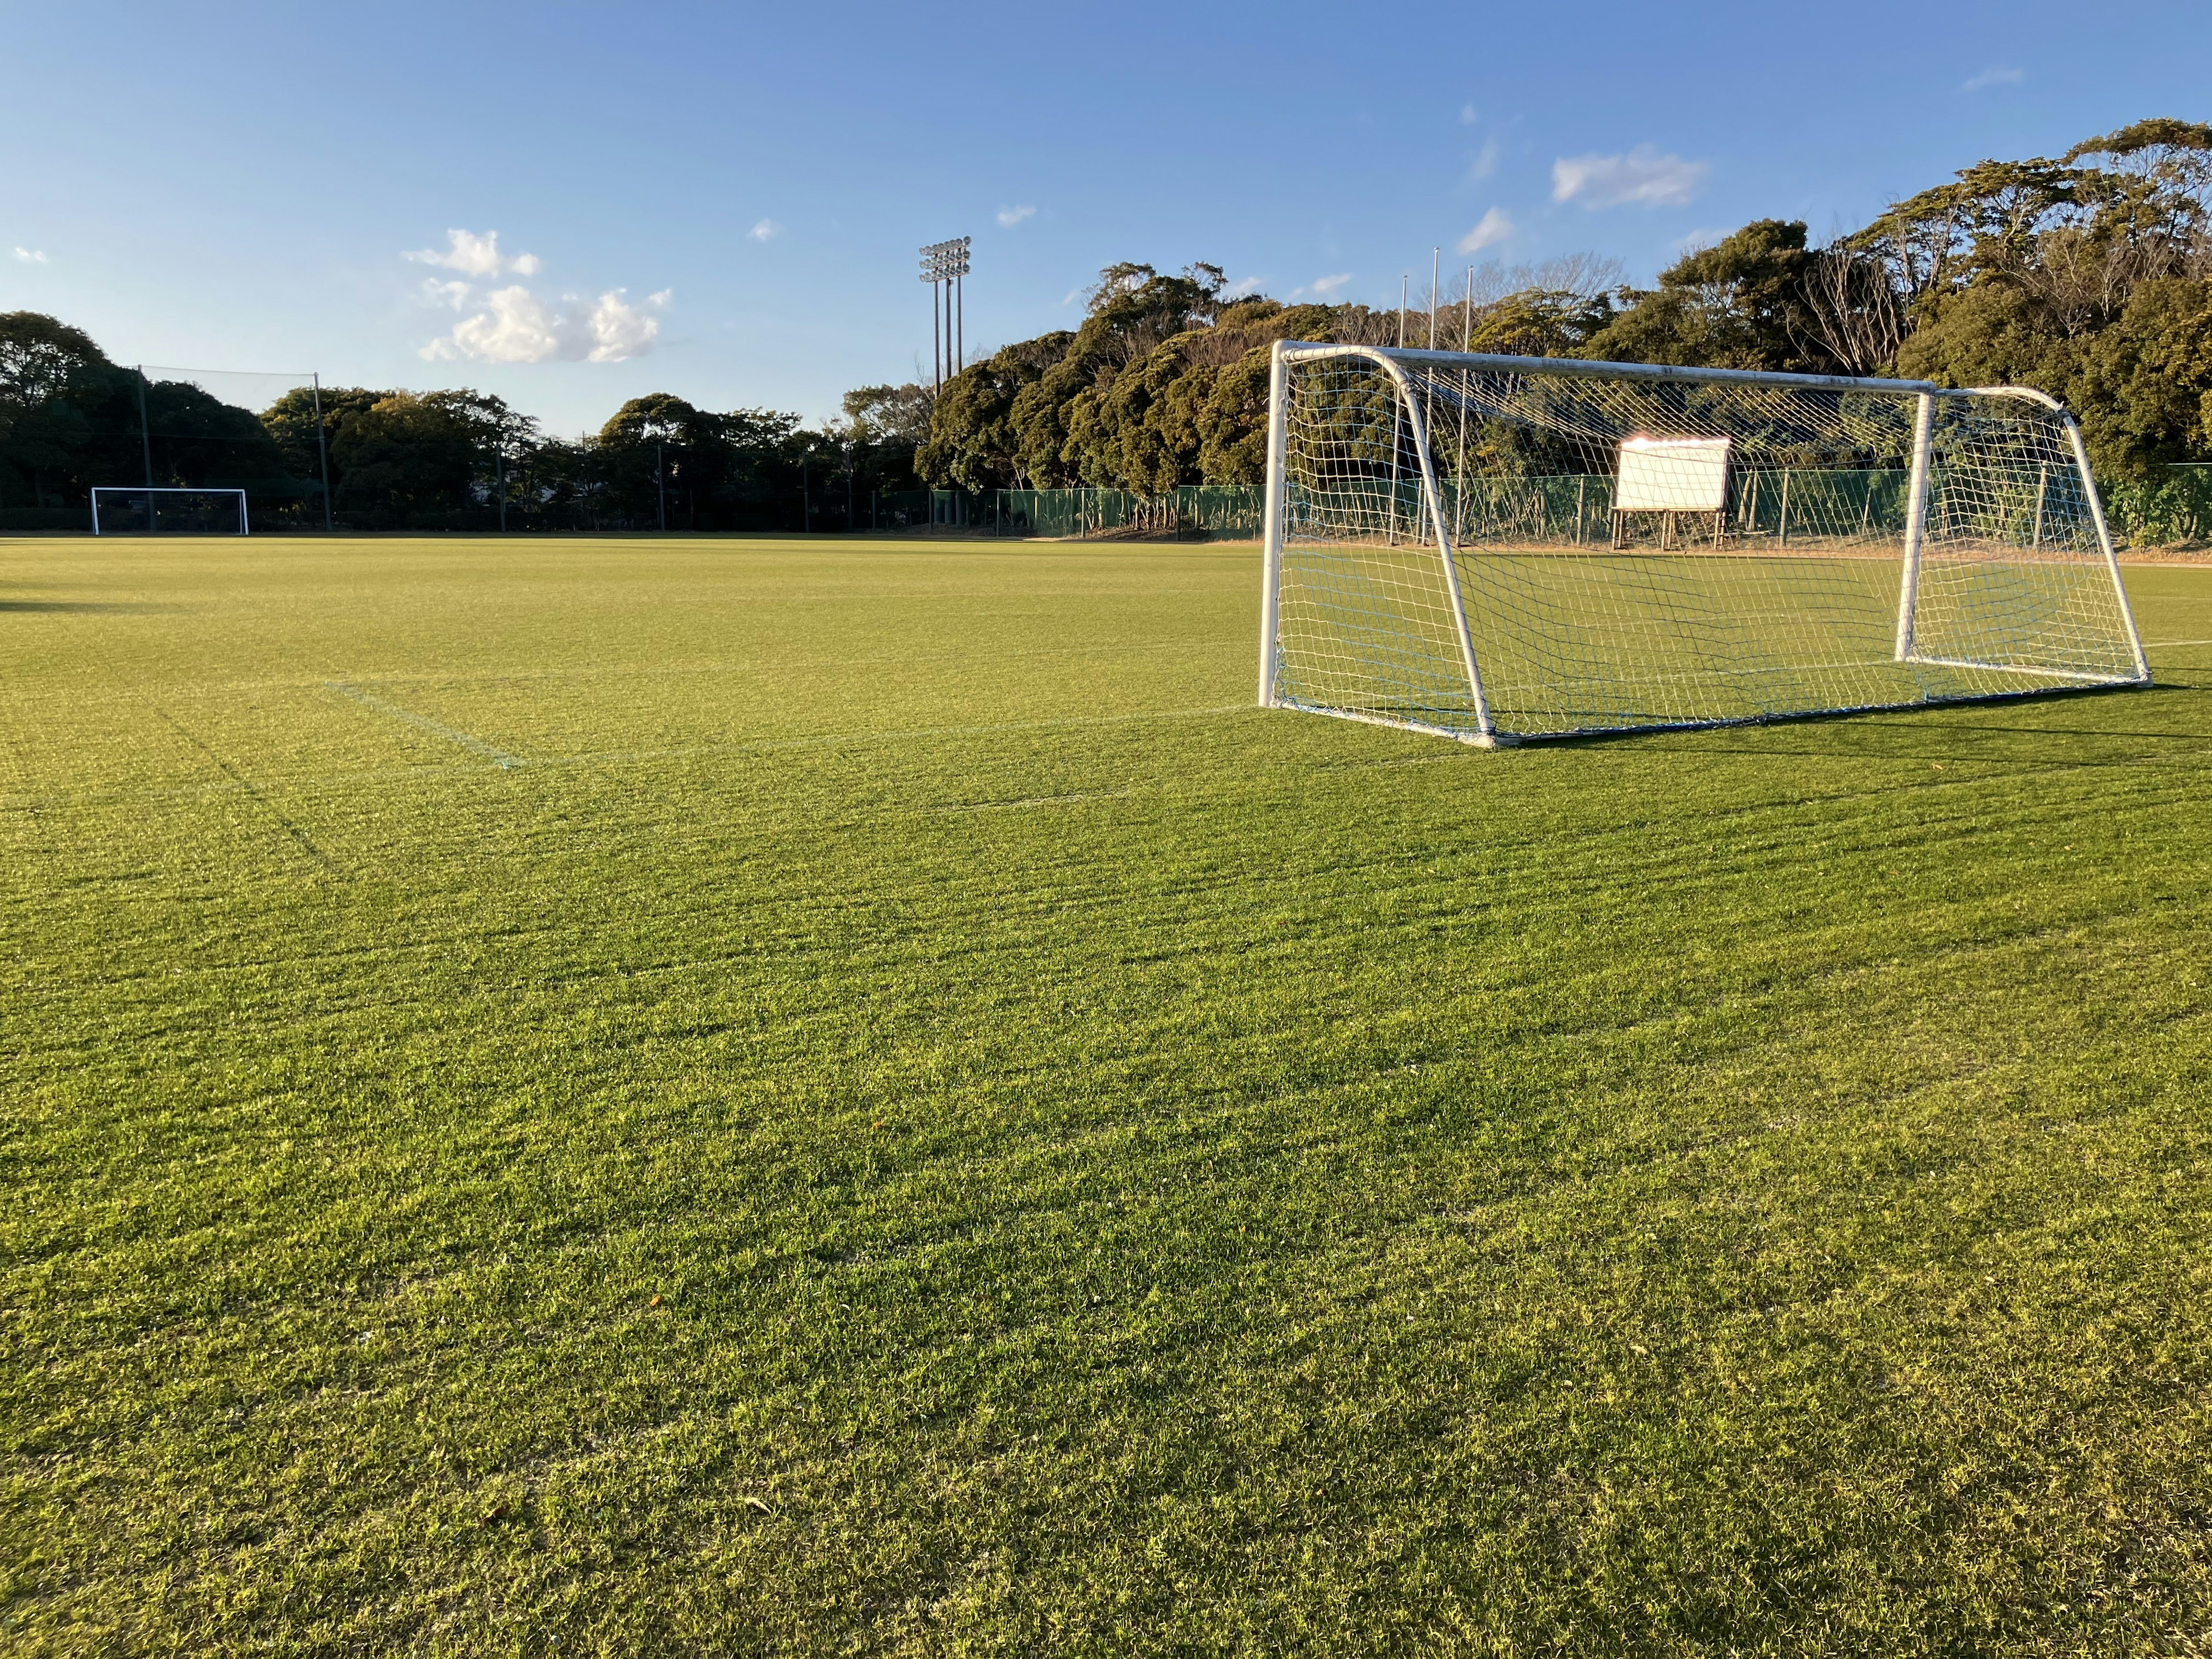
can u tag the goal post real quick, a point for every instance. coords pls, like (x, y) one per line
(138, 510)
(1495, 549)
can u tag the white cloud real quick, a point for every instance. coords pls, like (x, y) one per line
(1237, 290)
(1070, 296)
(1642, 176)
(620, 331)
(766, 231)
(1485, 162)
(476, 256)
(513, 325)
(1467, 116)
(1998, 75)
(1494, 228)
(1011, 216)
(519, 328)
(1325, 286)
(32, 256)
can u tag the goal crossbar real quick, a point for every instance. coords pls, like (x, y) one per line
(1433, 559)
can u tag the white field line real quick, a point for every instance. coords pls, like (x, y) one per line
(2170, 645)
(326, 781)
(831, 739)
(475, 746)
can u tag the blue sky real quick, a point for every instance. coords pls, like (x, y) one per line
(724, 201)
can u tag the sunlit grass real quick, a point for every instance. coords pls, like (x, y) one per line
(763, 1097)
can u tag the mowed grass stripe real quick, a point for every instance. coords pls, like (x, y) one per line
(1308, 1187)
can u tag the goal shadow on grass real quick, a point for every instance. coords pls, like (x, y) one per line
(1882, 718)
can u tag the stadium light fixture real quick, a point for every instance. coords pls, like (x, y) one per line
(945, 264)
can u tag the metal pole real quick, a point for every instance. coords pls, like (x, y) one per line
(1487, 737)
(146, 438)
(936, 351)
(2105, 541)
(1436, 265)
(1466, 396)
(960, 323)
(1595, 368)
(1459, 477)
(322, 450)
(1278, 382)
(1390, 527)
(660, 482)
(1915, 522)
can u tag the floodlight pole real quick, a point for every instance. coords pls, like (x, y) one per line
(145, 437)
(323, 456)
(1436, 265)
(945, 264)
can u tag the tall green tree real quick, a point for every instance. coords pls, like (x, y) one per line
(57, 392)
(1738, 304)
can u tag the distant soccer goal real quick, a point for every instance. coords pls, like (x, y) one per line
(135, 510)
(1499, 548)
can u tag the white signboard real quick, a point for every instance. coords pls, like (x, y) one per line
(1672, 475)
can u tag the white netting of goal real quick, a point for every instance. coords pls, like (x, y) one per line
(1496, 548)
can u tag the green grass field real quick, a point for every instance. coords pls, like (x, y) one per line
(761, 1098)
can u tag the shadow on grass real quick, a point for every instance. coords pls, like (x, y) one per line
(1886, 721)
(113, 608)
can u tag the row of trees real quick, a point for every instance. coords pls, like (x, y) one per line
(2089, 276)
(70, 419)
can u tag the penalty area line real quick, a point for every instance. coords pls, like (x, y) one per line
(834, 739)
(475, 746)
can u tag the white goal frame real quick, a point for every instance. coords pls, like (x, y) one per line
(1418, 504)
(152, 492)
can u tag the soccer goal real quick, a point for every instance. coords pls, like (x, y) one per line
(1493, 549)
(135, 510)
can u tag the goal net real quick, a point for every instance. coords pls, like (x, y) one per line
(1497, 548)
(135, 510)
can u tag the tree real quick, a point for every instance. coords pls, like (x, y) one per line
(884, 429)
(407, 460)
(60, 399)
(2145, 384)
(196, 440)
(1738, 304)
